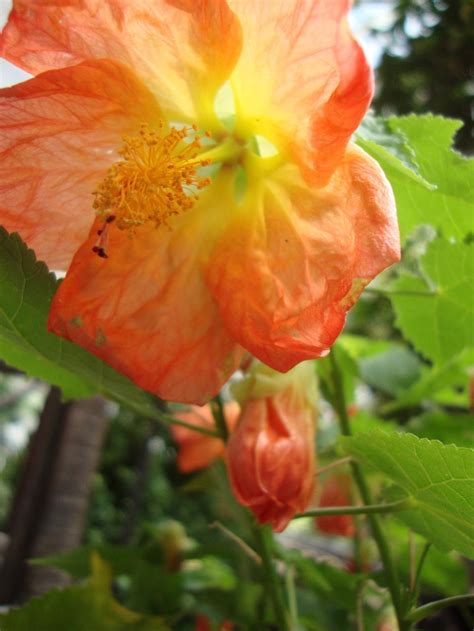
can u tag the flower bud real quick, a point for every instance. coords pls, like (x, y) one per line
(271, 459)
(196, 450)
(336, 491)
(203, 624)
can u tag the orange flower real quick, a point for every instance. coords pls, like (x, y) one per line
(270, 455)
(171, 273)
(336, 491)
(197, 451)
(203, 624)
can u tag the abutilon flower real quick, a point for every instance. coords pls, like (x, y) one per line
(204, 624)
(336, 491)
(120, 166)
(271, 453)
(196, 450)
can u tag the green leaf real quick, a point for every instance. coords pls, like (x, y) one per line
(348, 367)
(77, 562)
(443, 574)
(208, 573)
(81, 607)
(439, 479)
(450, 207)
(457, 429)
(335, 585)
(449, 376)
(363, 422)
(26, 290)
(359, 346)
(437, 318)
(391, 371)
(390, 148)
(328, 596)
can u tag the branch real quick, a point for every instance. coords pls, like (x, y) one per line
(392, 507)
(431, 608)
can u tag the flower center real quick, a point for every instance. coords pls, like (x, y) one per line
(156, 179)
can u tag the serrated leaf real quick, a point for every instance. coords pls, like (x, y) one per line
(437, 318)
(439, 479)
(450, 207)
(26, 290)
(80, 607)
(390, 148)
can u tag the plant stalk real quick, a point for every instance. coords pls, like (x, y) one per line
(391, 507)
(170, 420)
(391, 574)
(427, 610)
(217, 407)
(265, 544)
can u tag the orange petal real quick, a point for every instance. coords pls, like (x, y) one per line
(301, 80)
(270, 455)
(197, 451)
(336, 491)
(294, 261)
(181, 47)
(59, 133)
(147, 311)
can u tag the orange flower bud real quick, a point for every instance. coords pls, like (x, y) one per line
(336, 491)
(203, 624)
(270, 455)
(388, 621)
(196, 450)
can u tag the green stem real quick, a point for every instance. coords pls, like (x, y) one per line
(419, 569)
(391, 507)
(195, 428)
(357, 545)
(217, 407)
(265, 544)
(333, 465)
(360, 608)
(291, 595)
(391, 574)
(427, 610)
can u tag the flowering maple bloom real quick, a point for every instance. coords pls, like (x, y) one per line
(336, 491)
(171, 275)
(196, 450)
(203, 624)
(270, 455)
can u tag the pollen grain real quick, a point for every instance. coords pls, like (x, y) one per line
(156, 179)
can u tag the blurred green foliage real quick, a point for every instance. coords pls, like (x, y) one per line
(429, 62)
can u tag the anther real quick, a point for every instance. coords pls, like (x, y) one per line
(153, 182)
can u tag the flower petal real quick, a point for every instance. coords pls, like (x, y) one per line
(301, 80)
(183, 48)
(147, 311)
(58, 135)
(294, 261)
(336, 491)
(197, 451)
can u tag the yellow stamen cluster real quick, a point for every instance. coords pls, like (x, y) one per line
(156, 178)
